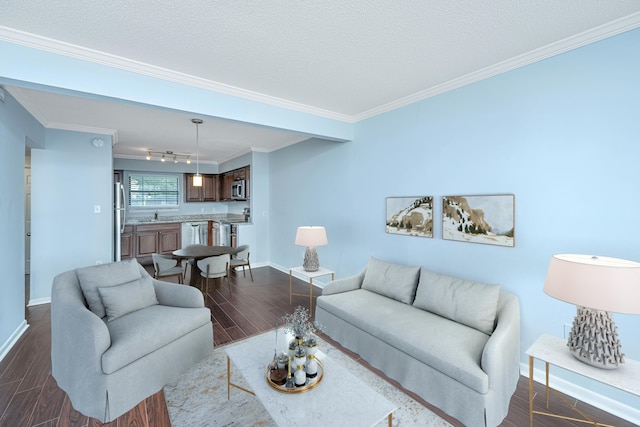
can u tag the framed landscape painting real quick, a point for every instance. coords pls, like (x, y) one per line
(479, 219)
(410, 216)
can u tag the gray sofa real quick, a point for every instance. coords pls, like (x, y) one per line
(118, 335)
(454, 342)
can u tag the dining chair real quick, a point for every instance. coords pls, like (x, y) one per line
(190, 263)
(215, 267)
(241, 259)
(166, 266)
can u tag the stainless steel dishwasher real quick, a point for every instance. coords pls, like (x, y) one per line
(215, 233)
(194, 233)
(225, 233)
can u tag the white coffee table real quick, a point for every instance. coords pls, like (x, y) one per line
(340, 399)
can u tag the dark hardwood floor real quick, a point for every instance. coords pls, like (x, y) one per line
(29, 396)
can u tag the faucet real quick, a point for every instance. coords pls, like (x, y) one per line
(155, 215)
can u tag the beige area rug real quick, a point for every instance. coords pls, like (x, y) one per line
(199, 397)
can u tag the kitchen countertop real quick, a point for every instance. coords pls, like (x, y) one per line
(165, 219)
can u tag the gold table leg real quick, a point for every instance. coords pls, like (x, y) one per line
(546, 383)
(586, 419)
(230, 384)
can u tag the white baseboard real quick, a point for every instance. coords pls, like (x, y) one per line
(4, 349)
(599, 401)
(39, 301)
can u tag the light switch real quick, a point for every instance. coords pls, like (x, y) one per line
(96, 209)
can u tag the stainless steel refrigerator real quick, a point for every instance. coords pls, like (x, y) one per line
(119, 213)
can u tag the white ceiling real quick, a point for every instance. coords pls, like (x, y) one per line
(346, 60)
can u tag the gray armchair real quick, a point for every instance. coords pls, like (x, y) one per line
(118, 336)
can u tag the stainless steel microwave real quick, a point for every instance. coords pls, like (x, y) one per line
(238, 189)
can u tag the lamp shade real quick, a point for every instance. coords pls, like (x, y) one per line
(600, 283)
(311, 236)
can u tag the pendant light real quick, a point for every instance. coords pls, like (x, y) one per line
(197, 178)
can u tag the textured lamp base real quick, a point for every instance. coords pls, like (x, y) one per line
(594, 339)
(311, 262)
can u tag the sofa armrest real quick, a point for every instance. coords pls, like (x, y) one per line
(344, 285)
(78, 336)
(175, 295)
(501, 354)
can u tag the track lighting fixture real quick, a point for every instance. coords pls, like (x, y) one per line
(169, 154)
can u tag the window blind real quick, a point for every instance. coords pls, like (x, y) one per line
(153, 190)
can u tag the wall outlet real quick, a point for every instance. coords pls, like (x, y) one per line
(201, 210)
(96, 209)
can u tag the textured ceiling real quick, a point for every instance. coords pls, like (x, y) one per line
(342, 59)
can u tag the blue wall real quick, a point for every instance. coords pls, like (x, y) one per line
(69, 178)
(561, 134)
(16, 128)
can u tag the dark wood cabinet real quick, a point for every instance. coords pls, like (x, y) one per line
(215, 188)
(155, 238)
(239, 174)
(207, 193)
(127, 247)
(169, 239)
(247, 178)
(227, 180)
(209, 188)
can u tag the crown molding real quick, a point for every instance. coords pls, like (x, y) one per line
(85, 54)
(601, 32)
(593, 35)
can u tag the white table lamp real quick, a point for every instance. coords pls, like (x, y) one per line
(598, 286)
(311, 236)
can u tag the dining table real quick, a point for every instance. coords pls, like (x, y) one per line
(195, 253)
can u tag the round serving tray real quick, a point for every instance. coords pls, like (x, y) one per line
(311, 382)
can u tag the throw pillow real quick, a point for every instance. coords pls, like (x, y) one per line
(391, 280)
(471, 303)
(129, 297)
(104, 275)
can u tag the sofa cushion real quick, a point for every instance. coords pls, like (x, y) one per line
(449, 347)
(141, 332)
(391, 280)
(123, 299)
(471, 303)
(102, 276)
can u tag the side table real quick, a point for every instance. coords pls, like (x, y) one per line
(553, 350)
(310, 275)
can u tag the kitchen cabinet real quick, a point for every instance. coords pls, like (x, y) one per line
(243, 173)
(207, 193)
(156, 238)
(127, 243)
(215, 188)
(227, 178)
(239, 173)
